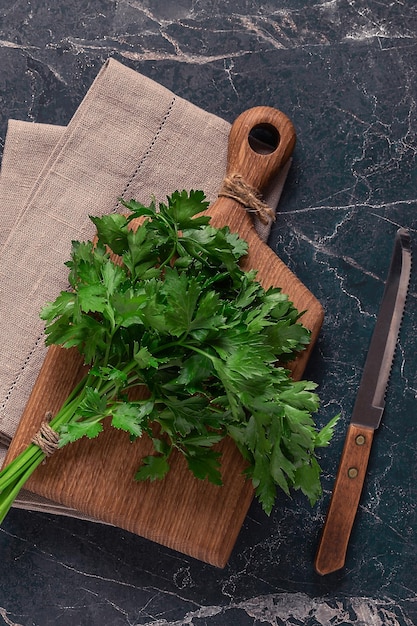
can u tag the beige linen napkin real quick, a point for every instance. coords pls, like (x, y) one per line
(130, 137)
(26, 149)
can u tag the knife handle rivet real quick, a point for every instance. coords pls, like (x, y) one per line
(352, 472)
(360, 440)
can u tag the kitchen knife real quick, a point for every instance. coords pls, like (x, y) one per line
(367, 413)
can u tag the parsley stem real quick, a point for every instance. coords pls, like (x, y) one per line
(20, 463)
(8, 497)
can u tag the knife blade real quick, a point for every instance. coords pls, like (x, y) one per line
(367, 413)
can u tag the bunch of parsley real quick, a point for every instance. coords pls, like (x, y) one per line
(165, 305)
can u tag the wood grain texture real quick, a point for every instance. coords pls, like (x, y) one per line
(331, 552)
(96, 476)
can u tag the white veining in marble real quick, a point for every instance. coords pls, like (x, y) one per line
(275, 610)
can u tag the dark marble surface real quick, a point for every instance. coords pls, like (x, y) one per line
(345, 72)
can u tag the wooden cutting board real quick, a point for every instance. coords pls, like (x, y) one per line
(96, 476)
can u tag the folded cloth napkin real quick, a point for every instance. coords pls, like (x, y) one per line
(26, 149)
(129, 138)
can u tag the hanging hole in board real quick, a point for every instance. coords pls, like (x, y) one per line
(264, 138)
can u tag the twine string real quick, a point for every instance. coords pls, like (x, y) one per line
(46, 438)
(235, 187)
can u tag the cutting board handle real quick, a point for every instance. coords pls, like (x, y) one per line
(261, 140)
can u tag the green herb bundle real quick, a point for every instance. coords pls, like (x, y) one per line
(174, 313)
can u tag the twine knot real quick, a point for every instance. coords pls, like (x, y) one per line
(236, 188)
(46, 438)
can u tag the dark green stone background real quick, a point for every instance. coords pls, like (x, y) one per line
(345, 73)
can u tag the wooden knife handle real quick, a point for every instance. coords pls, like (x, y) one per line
(347, 491)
